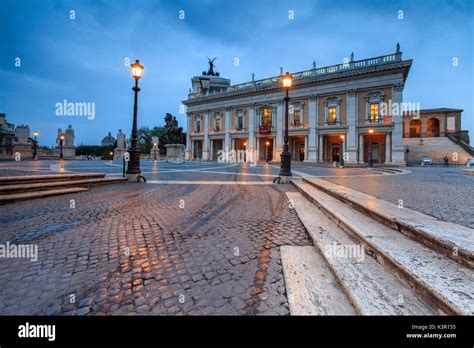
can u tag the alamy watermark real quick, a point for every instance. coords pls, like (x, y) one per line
(67, 108)
(394, 108)
(27, 251)
(354, 251)
(237, 156)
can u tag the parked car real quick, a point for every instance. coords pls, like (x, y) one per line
(424, 160)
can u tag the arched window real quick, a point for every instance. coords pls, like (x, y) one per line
(432, 127)
(415, 128)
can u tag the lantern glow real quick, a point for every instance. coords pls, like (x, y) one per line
(287, 80)
(137, 69)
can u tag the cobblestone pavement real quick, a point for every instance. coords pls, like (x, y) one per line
(445, 193)
(150, 250)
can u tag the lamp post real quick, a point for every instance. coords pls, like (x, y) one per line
(285, 163)
(154, 150)
(61, 140)
(343, 150)
(35, 144)
(370, 163)
(133, 169)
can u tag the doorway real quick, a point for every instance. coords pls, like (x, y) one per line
(335, 152)
(265, 149)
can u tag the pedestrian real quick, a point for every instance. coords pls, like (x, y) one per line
(446, 161)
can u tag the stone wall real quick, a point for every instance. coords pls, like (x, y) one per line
(436, 148)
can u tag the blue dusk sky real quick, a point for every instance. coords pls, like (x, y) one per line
(48, 57)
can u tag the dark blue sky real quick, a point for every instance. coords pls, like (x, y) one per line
(82, 60)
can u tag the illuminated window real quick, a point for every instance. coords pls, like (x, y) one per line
(332, 115)
(297, 118)
(374, 112)
(218, 125)
(267, 117)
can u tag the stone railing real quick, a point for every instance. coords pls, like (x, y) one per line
(302, 75)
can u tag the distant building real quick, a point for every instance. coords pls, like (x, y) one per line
(436, 133)
(109, 140)
(335, 111)
(7, 137)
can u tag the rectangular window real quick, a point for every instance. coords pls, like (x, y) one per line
(297, 118)
(332, 115)
(240, 122)
(374, 112)
(198, 125)
(218, 124)
(267, 118)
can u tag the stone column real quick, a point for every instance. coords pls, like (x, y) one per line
(398, 150)
(321, 147)
(251, 139)
(352, 119)
(279, 131)
(312, 146)
(388, 148)
(361, 148)
(306, 147)
(205, 145)
(188, 151)
(227, 145)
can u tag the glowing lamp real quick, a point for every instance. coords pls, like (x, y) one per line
(137, 69)
(287, 80)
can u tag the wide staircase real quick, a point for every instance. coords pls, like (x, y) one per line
(437, 148)
(372, 257)
(19, 188)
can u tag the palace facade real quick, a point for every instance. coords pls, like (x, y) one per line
(334, 112)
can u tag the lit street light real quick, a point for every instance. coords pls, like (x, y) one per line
(61, 140)
(342, 150)
(285, 162)
(35, 144)
(267, 144)
(370, 163)
(133, 169)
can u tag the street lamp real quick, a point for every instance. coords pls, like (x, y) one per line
(133, 169)
(370, 163)
(343, 150)
(285, 163)
(154, 150)
(35, 144)
(61, 139)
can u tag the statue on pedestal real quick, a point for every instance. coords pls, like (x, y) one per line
(174, 135)
(121, 148)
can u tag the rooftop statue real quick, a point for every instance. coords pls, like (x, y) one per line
(211, 71)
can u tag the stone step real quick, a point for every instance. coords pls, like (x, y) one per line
(11, 198)
(30, 179)
(310, 286)
(9, 189)
(369, 286)
(451, 240)
(439, 281)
